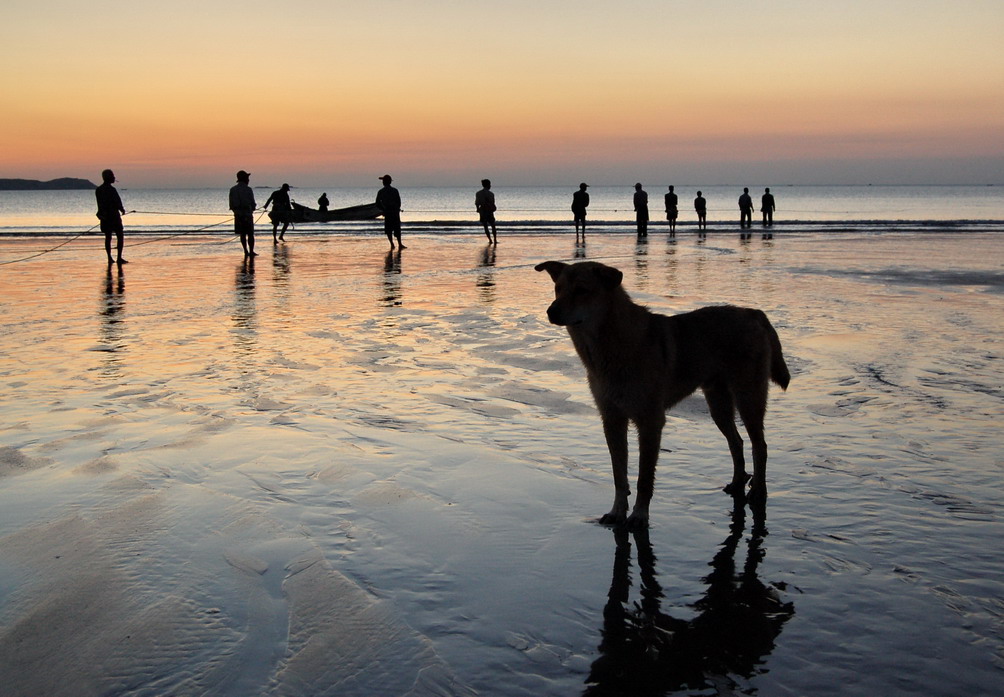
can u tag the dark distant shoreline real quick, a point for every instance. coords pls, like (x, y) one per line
(61, 184)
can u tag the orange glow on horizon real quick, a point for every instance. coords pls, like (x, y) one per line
(538, 88)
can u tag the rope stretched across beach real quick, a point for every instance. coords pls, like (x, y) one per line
(137, 244)
(47, 251)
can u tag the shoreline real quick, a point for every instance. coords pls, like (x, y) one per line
(541, 209)
(657, 227)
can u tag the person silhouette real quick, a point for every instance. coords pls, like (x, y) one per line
(322, 203)
(580, 202)
(701, 206)
(243, 205)
(671, 210)
(110, 212)
(282, 211)
(641, 209)
(484, 203)
(745, 210)
(767, 208)
(388, 200)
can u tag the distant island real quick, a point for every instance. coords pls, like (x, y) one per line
(62, 184)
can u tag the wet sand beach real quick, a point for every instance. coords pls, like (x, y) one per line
(342, 471)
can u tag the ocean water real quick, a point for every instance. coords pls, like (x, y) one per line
(543, 209)
(340, 471)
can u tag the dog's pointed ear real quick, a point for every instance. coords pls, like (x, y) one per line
(609, 276)
(553, 268)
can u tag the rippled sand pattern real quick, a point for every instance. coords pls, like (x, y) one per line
(337, 471)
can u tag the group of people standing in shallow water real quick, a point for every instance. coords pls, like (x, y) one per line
(388, 200)
(700, 206)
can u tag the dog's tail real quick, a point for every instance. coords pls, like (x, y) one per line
(778, 368)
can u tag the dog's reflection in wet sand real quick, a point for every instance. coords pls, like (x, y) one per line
(646, 651)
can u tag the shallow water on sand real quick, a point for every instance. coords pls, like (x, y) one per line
(339, 471)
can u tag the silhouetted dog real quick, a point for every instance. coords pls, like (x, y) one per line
(639, 364)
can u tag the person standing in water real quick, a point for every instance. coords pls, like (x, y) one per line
(243, 205)
(672, 211)
(767, 208)
(641, 209)
(580, 202)
(388, 200)
(110, 212)
(484, 203)
(701, 206)
(745, 212)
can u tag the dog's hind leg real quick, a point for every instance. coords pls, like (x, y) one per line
(722, 406)
(615, 427)
(752, 408)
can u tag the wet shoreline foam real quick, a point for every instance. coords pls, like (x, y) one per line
(347, 471)
(149, 228)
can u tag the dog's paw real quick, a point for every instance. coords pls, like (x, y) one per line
(612, 518)
(636, 522)
(617, 513)
(737, 487)
(757, 494)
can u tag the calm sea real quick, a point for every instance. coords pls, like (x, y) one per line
(544, 209)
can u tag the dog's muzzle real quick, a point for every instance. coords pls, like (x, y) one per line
(554, 315)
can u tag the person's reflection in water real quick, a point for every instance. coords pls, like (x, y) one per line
(645, 651)
(280, 279)
(672, 264)
(486, 274)
(392, 296)
(244, 315)
(280, 266)
(111, 307)
(641, 261)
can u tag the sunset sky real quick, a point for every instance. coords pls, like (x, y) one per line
(184, 93)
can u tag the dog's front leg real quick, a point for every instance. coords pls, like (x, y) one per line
(615, 427)
(649, 440)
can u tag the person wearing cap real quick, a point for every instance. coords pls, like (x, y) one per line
(580, 202)
(388, 200)
(243, 205)
(484, 204)
(641, 209)
(672, 210)
(110, 212)
(282, 211)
